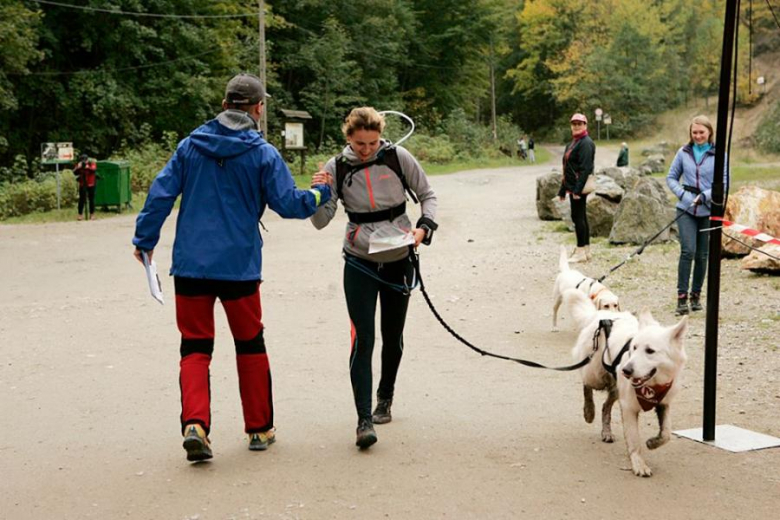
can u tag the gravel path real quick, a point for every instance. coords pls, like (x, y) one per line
(91, 400)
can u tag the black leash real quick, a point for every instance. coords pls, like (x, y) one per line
(525, 362)
(641, 248)
(604, 325)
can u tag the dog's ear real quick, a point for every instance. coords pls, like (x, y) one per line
(645, 318)
(677, 332)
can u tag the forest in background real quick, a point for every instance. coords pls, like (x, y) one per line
(117, 81)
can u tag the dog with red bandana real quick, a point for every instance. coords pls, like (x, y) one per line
(638, 362)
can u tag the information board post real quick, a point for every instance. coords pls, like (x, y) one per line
(56, 154)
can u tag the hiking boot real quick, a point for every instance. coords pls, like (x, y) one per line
(366, 436)
(196, 443)
(682, 305)
(261, 441)
(382, 411)
(696, 302)
(588, 254)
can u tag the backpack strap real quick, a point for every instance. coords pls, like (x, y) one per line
(387, 156)
(390, 159)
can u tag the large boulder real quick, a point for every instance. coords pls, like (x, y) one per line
(607, 188)
(638, 218)
(547, 187)
(758, 262)
(656, 164)
(653, 188)
(601, 214)
(755, 208)
(624, 176)
(562, 211)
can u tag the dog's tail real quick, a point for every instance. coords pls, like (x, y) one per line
(581, 307)
(563, 264)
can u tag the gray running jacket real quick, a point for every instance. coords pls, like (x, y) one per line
(372, 189)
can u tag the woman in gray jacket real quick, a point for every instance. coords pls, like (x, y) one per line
(372, 178)
(690, 179)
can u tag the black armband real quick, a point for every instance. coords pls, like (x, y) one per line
(429, 226)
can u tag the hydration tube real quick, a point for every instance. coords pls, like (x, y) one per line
(411, 122)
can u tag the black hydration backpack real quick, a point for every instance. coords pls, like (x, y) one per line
(387, 156)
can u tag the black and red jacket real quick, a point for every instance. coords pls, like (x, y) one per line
(578, 160)
(85, 172)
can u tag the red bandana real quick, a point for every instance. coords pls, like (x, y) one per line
(650, 396)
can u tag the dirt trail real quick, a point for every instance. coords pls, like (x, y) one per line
(91, 400)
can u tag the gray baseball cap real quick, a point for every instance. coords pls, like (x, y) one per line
(245, 89)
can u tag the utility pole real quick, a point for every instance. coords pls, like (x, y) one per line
(261, 44)
(713, 276)
(493, 92)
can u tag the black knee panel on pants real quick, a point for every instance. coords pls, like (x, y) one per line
(196, 346)
(255, 345)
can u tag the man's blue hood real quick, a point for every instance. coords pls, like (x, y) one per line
(229, 135)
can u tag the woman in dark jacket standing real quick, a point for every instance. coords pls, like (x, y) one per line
(578, 160)
(690, 179)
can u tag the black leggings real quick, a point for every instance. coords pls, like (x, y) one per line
(361, 291)
(579, 216)
(84, 194)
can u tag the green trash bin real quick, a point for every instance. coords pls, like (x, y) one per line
(113, 186)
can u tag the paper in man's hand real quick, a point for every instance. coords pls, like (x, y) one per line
(155, 287)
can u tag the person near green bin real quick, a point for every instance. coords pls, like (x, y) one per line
(226, 174)
(85, 172)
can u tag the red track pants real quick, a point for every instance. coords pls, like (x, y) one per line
(195, 300)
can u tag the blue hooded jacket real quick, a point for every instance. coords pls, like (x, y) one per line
(226, 174)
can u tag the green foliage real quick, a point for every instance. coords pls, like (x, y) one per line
(147, 160)
(768, 134)
(17, 172)
(434, 149)
(30, 196)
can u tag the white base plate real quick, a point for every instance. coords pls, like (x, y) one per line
(732, 438)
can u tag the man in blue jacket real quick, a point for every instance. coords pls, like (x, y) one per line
(226, 174)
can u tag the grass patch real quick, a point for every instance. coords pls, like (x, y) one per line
(69, 214)
(745, 174)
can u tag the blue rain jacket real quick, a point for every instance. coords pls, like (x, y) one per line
(226, 174)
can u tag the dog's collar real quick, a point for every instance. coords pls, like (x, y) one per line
(650, 396)
(595, 294)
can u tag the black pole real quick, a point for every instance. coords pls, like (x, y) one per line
(713, 279)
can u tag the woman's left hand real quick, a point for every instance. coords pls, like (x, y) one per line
(419, 235)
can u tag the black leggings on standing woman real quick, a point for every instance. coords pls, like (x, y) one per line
(361, 291)
(579, 216)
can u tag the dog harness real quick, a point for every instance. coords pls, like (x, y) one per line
(612, 368)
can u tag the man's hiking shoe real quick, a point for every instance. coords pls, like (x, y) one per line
(261, 441)
(196, 443)
(366, 436)
(382, 411)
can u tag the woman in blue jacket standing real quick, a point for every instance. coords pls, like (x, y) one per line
(690, 179)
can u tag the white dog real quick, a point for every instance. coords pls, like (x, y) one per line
(640, 364)
(567, 278)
